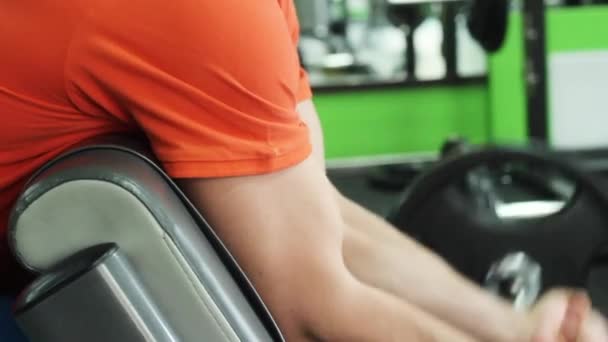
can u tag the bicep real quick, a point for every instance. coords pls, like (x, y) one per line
(213, 98)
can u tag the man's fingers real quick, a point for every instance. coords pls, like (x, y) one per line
(550, 313)
(593, 329)
(579, 307)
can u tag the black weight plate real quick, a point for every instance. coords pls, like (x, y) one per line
(441, 216)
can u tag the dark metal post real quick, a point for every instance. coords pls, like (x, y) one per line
(410, 53)
(449, 39)
(536, 69)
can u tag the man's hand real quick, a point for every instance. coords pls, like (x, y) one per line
(565, 316)
(594, 328)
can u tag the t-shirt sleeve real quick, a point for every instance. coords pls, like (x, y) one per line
(213, 84)
(289, 11)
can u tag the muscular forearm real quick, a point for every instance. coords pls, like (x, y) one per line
(383, 257)
(359, 312)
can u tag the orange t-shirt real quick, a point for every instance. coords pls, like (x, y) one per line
(213, 85)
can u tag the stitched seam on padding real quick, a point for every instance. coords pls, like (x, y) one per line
(196, 290)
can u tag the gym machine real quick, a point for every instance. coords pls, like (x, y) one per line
(122, 255)
(406, 13)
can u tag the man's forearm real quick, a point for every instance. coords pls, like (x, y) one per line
(290, 245)
(383, 257)
(359, 312)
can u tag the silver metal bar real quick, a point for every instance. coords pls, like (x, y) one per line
(95, 296)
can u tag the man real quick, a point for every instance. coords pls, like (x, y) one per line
(216, 89)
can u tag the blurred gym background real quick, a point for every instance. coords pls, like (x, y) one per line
(393, 79)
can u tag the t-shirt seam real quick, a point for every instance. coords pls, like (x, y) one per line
(249, 167)
(290, 152)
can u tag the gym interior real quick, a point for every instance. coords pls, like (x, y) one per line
(465, 123)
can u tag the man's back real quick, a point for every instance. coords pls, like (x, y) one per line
(170, 71)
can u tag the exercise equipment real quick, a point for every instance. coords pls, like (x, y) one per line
(408, 15)
(122, 255)
(453, 208)
(488, 21)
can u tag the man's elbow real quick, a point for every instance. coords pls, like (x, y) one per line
(341, 308)
(322, 312)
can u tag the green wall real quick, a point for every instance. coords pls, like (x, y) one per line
(568, 29)
(506, 93)
(400, 121)
(577, 29)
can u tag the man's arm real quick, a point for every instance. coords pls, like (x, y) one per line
(285, 229)
(379, 255)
